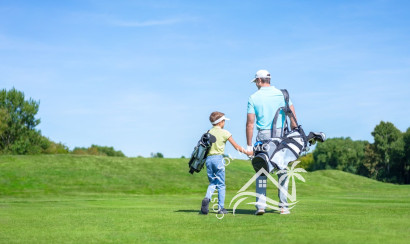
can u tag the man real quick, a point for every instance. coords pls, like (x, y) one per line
(262, 106)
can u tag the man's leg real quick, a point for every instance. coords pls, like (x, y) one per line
(283, 201)
(261, 182)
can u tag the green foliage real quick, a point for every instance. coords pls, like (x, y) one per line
(306, 161)
(98, 151)
(55, 148)
(369, 166)
(387, 159)
(157, 155)
(406, 160)
(387, 144)
(339, 153)
(4, 118)
(17, 124)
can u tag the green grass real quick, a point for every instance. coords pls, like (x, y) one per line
(83, 199)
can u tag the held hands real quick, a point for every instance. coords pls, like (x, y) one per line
(249, 151)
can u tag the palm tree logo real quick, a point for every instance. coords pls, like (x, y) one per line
(291, 174)
(288, 173)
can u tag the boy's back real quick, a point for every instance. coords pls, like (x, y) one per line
(221, 136)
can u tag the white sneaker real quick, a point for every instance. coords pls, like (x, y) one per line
(284, 211)
(260, 212)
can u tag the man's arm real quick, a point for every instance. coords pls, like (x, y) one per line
(292, 121)
(250, 120)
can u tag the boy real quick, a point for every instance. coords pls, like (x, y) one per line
(215, 165)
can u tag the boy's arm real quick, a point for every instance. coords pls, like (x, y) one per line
(239, 148)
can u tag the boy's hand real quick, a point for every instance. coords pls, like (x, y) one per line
(249, 153)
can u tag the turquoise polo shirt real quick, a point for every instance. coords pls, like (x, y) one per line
(264, 103)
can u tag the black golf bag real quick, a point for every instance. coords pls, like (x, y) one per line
(197, 161)
(279, 150)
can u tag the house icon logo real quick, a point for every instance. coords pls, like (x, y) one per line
(266, 202)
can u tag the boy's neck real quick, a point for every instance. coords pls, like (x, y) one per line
(220, 125)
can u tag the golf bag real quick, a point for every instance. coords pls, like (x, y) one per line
(279, 150)
(197, 161)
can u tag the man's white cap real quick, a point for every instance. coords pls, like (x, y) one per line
(261, 74)
(219, 120)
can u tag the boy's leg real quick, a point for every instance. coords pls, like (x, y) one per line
(261, 182)
(211, 178)
(220, 182)
(210, 170)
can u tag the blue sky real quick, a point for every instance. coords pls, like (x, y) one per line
(143, 76)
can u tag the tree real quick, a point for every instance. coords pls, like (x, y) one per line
(339, 153)
(387, 159)
(370, 164)
(406, 150)
(389, 146)
(4, 118)
(306, 161)
(55, 148)
(157, 155)
(17, 124)
(98, 150)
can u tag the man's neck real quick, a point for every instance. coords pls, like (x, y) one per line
(264, 85)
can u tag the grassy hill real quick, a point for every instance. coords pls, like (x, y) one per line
(70, 174)
(86, 199)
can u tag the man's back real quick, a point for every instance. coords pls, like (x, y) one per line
(264, 103)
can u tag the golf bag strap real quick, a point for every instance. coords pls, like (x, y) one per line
(287, 110)
(275, 122)
(207, 150)
(304, 137)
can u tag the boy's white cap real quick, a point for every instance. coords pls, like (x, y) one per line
(261, 74)
(219, 120)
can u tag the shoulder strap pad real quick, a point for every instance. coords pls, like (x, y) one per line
(286, 96)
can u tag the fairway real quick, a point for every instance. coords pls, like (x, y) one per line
(51, 199)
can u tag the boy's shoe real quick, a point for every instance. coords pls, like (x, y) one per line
(284, 211)
(205, 205)
(260, 211)
(223, 211)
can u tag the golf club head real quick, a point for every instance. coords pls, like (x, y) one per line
(313, 137)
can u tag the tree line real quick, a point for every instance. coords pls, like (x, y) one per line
(18, 133)
(386, 159)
